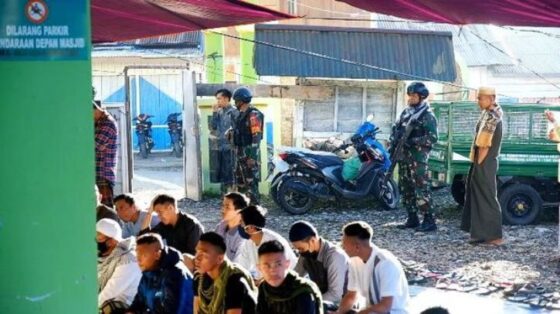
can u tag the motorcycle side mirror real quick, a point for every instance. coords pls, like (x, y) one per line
(370, 117)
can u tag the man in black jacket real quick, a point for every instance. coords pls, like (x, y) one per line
(178, 230)
(166, 284)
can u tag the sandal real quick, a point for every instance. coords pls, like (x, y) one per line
(443, 283)
(538, 302)
(520, 298)
(531, 288)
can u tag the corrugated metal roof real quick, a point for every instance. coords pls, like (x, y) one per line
(191, 39)
(474, 51)
(418, 53)
(537, 48)
(147, 53)
(184, 44)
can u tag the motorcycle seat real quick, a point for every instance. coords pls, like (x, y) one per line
(325, 160)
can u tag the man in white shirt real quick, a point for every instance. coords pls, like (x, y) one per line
(118, 273)
(252, 228)
(375, 274)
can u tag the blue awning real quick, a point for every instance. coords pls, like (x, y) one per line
(284, 50)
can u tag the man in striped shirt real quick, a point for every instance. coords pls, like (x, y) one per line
(105, 152)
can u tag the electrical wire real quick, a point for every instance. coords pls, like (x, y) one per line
(520, 63)
(346, 61)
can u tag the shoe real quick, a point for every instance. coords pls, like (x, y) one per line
(411, 222)
(428, 224)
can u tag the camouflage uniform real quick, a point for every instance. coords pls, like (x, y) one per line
(413, 166)
(248, 134)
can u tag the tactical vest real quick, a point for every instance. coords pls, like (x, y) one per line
(242, 135)
(317, 273)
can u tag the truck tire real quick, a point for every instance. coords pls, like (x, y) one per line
(520, 203)
(458, 189)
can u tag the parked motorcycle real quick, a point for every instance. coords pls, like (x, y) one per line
(304, 176)
(175, 125)
(144, 134)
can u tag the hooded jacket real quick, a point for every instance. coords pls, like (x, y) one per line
(166, 290)
(119, 274)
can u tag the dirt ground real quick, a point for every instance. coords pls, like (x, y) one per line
(528, 256)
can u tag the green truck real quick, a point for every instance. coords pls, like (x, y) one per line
(528, 169)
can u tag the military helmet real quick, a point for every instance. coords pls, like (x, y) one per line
(418, 88)
(242, 94)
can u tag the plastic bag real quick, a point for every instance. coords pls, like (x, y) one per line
(351, 168)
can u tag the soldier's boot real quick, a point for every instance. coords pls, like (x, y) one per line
(428, 224)
(411, 222)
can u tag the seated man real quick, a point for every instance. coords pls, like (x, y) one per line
(324, 263)
(166, 284)
(252, 228)
(375, 274)
(133, 219)
(228, 228)
(283, 291)
(179, 230)
(118, 273)
(102, 210)
(220, 286)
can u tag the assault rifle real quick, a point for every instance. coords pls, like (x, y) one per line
(399, 141)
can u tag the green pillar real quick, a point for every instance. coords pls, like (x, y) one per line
(214, 57)
(47, 219)
(247, 51)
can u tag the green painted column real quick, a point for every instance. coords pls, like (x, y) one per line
(214, 57)
(47, 217)
(247, 52)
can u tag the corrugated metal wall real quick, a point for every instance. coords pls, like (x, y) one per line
(421, 54)
(157, 95)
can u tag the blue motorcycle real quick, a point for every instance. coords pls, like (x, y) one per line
(305, 176)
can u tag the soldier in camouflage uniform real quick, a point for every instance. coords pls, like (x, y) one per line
(247, 136)
(413, 163)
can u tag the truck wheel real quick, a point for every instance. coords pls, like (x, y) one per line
(520, 203)
(458, 189)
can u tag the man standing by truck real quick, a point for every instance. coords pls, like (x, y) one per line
(482, 215)
(554, 136)
(416, 131)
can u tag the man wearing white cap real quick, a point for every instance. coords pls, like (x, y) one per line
(482, 215)
(118, 273)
